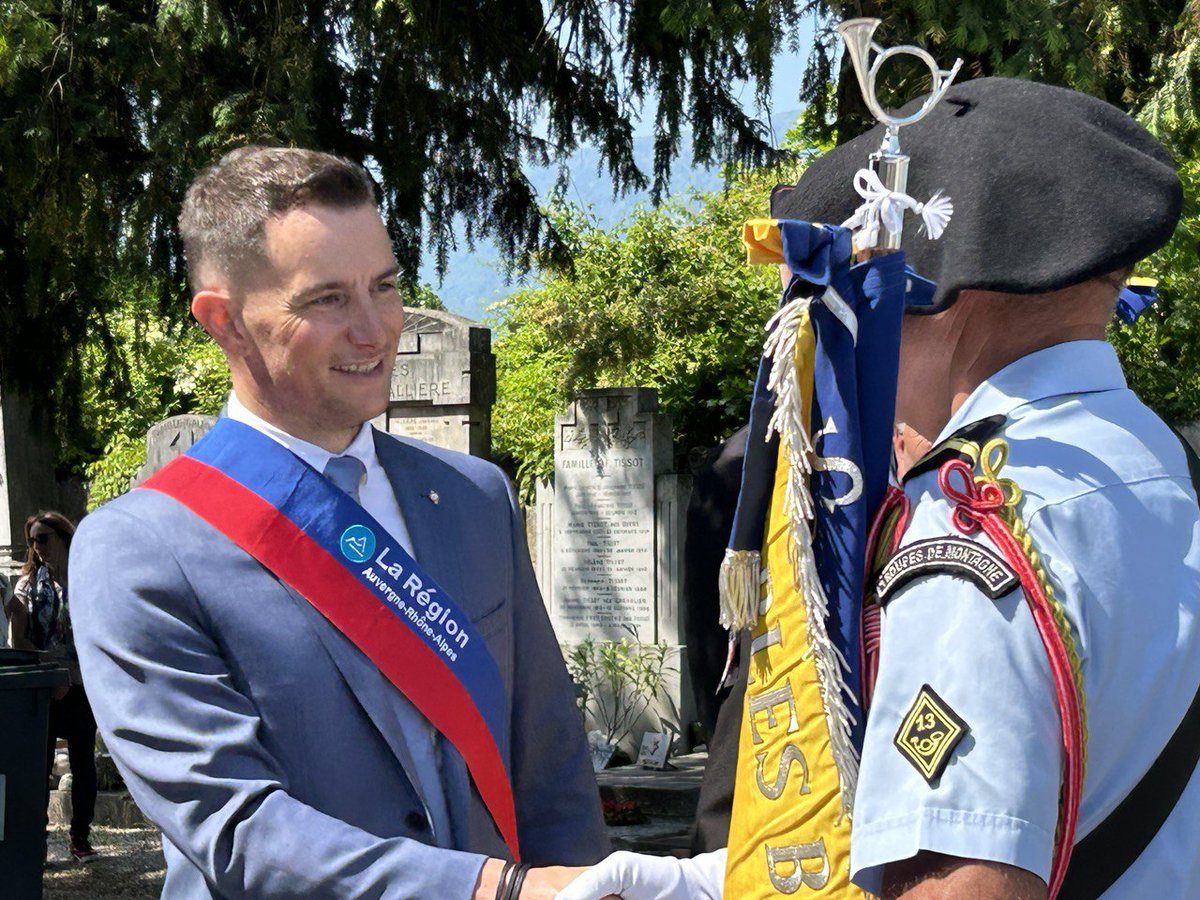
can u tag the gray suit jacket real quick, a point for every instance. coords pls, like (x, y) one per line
(266, 746)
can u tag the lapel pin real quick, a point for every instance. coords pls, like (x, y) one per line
(433, 497)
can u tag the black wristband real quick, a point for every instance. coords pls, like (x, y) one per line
(518, 879)
(502, 883)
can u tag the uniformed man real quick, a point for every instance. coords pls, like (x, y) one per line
(972, 763)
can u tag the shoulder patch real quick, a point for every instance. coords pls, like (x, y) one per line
(952, 555)
(929, 733)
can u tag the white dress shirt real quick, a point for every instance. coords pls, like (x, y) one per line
(378, 499)
(375, 495)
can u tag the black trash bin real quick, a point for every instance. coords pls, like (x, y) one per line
(26, 683)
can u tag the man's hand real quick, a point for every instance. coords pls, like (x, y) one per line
(636, 877)
(546, 882)
(540, 884)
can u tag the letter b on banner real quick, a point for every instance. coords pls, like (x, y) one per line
(793, 858)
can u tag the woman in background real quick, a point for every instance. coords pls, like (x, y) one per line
(41, 620)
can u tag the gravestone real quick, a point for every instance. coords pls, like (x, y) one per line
(443, 383)
(170, 438)
(28, 483)
(608, 449)
(610, 532)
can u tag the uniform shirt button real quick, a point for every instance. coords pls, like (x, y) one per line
(416, 821)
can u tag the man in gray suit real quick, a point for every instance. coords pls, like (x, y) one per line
(255, 711)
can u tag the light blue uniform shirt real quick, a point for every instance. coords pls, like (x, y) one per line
(1111, 508)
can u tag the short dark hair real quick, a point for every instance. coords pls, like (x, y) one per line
(226, 208)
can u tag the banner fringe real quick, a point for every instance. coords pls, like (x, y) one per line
(788, 422)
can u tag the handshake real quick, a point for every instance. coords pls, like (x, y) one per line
(630, 876)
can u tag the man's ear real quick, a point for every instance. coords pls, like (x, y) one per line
(221, 317)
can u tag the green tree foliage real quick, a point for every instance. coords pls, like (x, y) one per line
(664, 301)
(108, 109)
(615, 319)
(1109, 48)
(1161, 352)
(163, 367)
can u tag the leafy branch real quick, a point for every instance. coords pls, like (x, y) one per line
(618, 680)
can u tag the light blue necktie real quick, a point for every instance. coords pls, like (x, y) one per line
(347, 472)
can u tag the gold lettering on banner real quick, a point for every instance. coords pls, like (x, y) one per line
(797, 855)
(765, 640)
(768, 701)
(764, 591)
(791, 754)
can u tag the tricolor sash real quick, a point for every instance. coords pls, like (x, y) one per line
(326, 547)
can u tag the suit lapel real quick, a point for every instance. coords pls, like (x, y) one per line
(375, 694)
(436, 530)
(414, 476)
(426, 497)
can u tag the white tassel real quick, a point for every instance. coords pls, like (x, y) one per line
(884, 208)
(788, 418)
(935, 214)
(831, 667)
(740, 583)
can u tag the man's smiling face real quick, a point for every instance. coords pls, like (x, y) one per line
(322, 318)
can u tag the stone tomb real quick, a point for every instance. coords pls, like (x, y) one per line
(612, 563)
(443, 383)
(609, 448)
(170, 438)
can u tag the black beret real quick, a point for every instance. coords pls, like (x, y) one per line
(1050, 187)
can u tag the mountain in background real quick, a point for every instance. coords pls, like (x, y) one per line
(475, 279)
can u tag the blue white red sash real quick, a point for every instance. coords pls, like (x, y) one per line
(327, 548)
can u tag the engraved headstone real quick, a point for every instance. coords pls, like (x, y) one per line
(170, 438)
(609, 534)
(444, 382)
(608, 449)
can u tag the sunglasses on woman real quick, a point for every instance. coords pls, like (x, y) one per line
(40, 539)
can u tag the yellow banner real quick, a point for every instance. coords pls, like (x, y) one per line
(787, 836)
(763, 242)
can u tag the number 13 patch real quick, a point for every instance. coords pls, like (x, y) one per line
(929, 733)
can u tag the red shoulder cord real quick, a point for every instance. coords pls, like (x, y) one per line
(894, 510)
(979, 507)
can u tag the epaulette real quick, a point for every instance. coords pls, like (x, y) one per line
(962, 444)
(891, 521)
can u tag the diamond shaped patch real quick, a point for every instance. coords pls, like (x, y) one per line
(929, 733)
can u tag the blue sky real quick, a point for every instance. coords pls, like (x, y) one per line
(473, 280)
(785, 83)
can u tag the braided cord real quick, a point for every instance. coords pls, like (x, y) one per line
(991, 460)
(987, 502)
